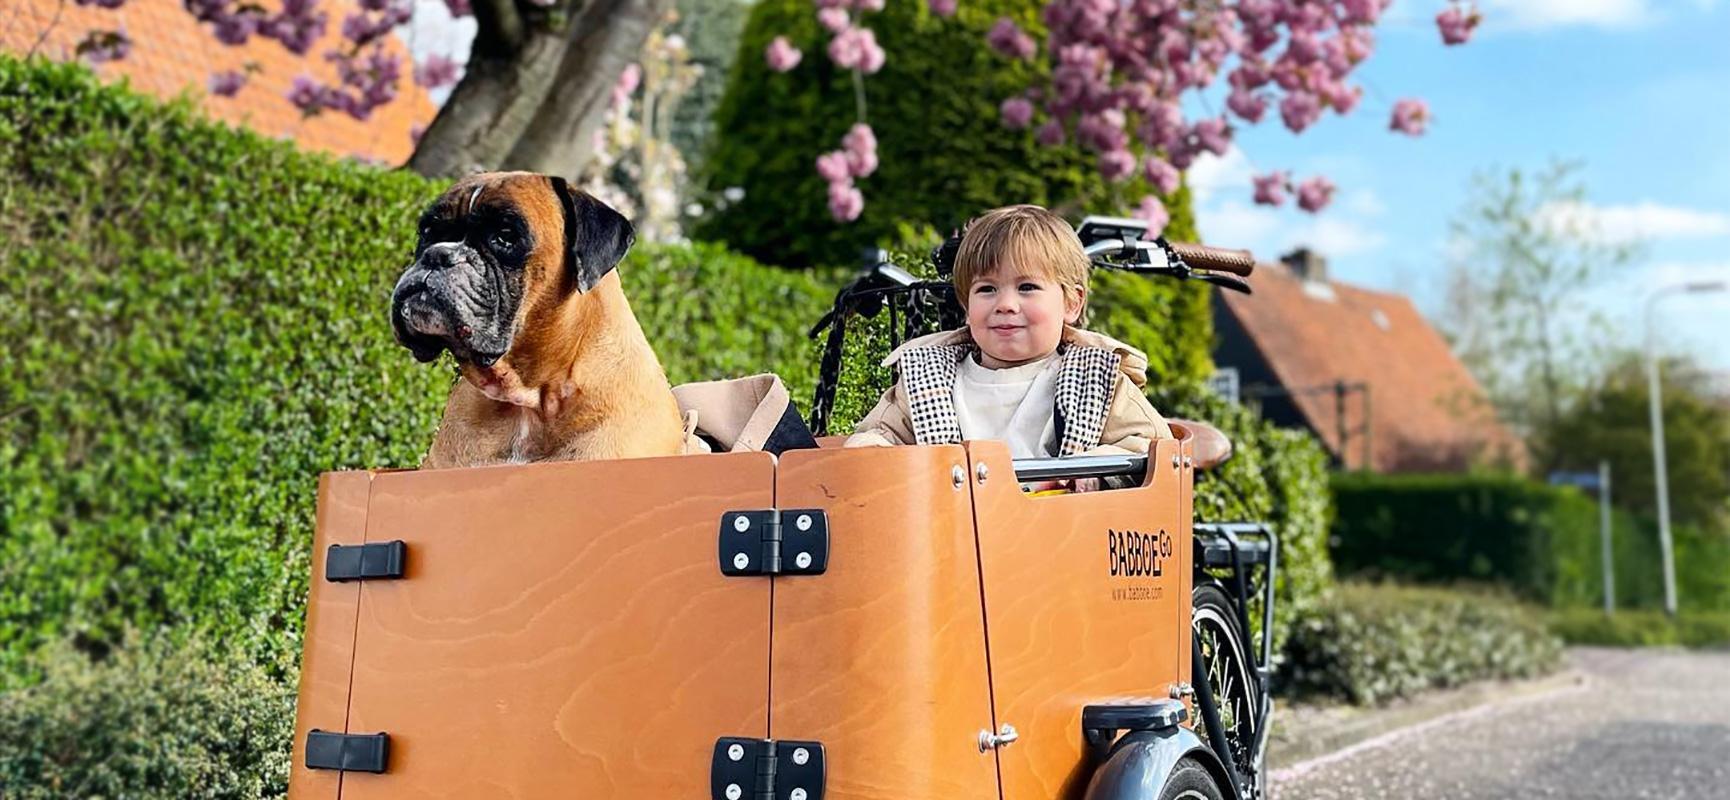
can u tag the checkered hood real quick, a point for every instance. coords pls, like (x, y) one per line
(1084, 385)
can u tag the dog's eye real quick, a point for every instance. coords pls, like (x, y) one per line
(503, 240)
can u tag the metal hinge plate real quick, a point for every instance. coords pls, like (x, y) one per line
(365, 562)
(792, 541)
(351, 752)
(766, 769)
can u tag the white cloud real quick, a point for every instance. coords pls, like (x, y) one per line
(1211, 174)
(1627, 223)
(1539, 14)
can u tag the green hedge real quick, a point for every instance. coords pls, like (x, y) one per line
(1542, 541)
(151, 721)
(1642, 628)
(944, 155)
(1368, 643)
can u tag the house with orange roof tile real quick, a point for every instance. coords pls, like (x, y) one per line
(172, 55)
(1362, 370)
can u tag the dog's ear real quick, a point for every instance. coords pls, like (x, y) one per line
(596, 236)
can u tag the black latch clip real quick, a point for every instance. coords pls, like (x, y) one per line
(353, 752)
(766, 769)
(789, 541)
(361, 562)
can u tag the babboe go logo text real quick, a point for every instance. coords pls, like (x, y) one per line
(1134, 554)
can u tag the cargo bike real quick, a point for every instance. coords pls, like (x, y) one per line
(866, 624)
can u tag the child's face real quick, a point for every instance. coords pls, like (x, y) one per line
(1018, 318)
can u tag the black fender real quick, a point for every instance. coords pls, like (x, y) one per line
(1141, 761)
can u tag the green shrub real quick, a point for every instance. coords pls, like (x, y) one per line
(1542, 541)
(934, 106)
(1642, 628)
(1369, 643)
(155, 720)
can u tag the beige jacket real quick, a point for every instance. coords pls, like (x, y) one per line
(1101, 385)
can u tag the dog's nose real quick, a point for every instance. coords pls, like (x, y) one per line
(441, 256)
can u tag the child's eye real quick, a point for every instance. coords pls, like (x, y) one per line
(1030, 287)
(984, 288)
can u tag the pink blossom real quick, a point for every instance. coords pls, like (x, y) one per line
(460, 8)
(1213, 135)
(845, 202)
(942, 8)
(629, 79)
(856, 48)
(868, 5)
(1248, 105)
(1017, 113)
(861, 163)
(306, 95)
(1270, 189)
(833, 166)
(1456, 24)
(1315, 193)
(437, 70)
(100, 47)
(1364, 12)
(860, 139)
(1115, 165)
(782, 55)
(835, 19)
(227, 84)
(1300, 110)
(1341, 97)
(1161, 174)
(1411, 116)
(1011, 41)
(1050, 134)
(1154, 212)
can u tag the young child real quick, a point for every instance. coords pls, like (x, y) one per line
(1021, 371)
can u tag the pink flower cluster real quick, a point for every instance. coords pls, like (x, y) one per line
(1457, 23)
(942, 8)
(227, 84)
(101, 47)
(629, 79)
(857, 48)
(1313, 195)
(1410, 117)
(857, 158)
(1121, 69)
(437, 70)
(782, 55)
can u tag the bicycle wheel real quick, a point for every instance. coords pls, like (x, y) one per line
(1227, 668)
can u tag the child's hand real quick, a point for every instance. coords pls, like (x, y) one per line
(1073, 485)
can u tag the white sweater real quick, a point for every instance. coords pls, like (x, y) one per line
(1014, 404)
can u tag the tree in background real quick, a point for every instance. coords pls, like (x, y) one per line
(1523, 256)
(1610, 421)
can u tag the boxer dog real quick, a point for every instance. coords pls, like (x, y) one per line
(514, 275)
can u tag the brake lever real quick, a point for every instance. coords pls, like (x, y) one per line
(1224, 281)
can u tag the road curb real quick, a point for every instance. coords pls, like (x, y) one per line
(1306, 737)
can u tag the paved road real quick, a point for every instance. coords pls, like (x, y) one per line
(1646, 724)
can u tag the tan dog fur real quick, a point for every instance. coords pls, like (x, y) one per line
(579, 382)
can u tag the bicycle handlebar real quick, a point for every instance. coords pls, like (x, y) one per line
(1218, 259)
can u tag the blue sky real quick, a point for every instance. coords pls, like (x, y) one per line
(1636, 90)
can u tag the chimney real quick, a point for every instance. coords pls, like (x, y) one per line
(1307, 264)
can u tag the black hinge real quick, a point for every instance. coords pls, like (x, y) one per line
(360, 562)
(354, 752)
(766, 769)
(788, 541)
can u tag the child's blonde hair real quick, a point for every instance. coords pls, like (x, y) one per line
(1025, 240)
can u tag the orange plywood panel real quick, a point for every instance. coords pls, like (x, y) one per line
(328, 647)
(882, 657)
(1079, 608)
(563, 630)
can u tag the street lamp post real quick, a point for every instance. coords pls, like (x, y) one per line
(1658, 466)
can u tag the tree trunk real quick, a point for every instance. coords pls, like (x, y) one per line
(605, 36)
(526, 64)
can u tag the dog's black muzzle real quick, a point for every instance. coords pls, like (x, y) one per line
(451, 299)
